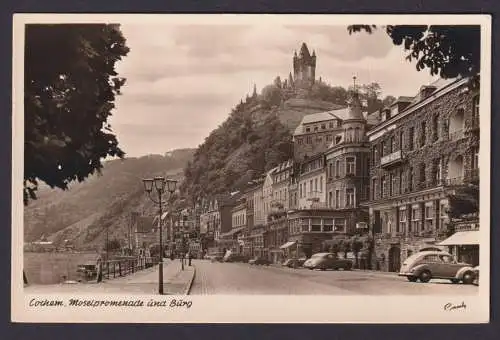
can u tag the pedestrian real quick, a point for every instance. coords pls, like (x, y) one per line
(99, 270)
(189, 258)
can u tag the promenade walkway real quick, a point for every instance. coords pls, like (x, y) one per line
(145, 282)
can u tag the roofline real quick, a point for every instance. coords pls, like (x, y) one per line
(439, 93)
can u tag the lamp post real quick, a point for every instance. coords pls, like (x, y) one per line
(158, 184)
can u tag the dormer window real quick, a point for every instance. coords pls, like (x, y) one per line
(308, 129)
(323, 126)
(387, 114)
(316, 128)
(330, 125)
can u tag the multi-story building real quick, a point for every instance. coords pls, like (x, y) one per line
(315, 133)
(424, 149)
(254, 214)
(238, 224)
(280, 185)
(312, 183)
(347, 159)
(331, 184)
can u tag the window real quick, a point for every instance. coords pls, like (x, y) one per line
(323, 126)
(423, 133)
(422, 174)
(431, 258)
(374, 188)
(429, 216)
(475, 159)
(337, 198)
(299, 141)
(330, 170)
(308, 129)
(435, 127)
(392, 184)
(338, 139)
(402, 220)
(304, 222)
(443, 215)
(330, 125)
(375, 155)
(328, 225)
(357, 134)
(475, 110)
(321, 184)
(410, 180)
(316, 185)
(308, 140)
(401, 140)
(350, 167)
(316, 128)
(382, 186)
(339, 225)
(337, 168)
(437, 171)
(382, 149)
(349, 197)
(411, 138)
(316, 225)
(310, 186)
(329, 138)
(415, 219)
(392, 145)
(330, 199)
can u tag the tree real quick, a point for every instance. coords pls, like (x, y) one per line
(70, 88)
(447, 51)
(271, 95)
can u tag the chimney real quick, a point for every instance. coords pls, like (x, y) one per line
(426, 91)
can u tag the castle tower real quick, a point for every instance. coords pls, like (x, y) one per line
(304, 67)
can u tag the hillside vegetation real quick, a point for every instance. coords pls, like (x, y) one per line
(82, 213)
(257, 135)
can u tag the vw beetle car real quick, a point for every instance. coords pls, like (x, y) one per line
(325, 261)
(427, 265)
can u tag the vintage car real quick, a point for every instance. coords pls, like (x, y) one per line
(427, 265)
(325, 261)
(259, 261)
(236, 258)
(476, 275)
(294, 263)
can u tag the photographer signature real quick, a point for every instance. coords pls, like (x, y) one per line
(451, 307)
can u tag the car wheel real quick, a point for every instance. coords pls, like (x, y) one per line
(335, 268)
(425, 276)
(468, 278)
(455, 281)
(311, 268)
(412, 278)
(349, 267)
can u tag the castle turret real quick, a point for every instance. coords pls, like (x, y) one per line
(304, 67)
(354, 123)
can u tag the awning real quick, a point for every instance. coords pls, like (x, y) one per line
(232, 232)
(287, 245)
(461, 238)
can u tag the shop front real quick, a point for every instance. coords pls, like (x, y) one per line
(464, 245)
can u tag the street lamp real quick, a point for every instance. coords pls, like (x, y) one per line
(158, 184)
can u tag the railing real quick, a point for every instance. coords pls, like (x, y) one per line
(454, 181)
(392, 157)
(123, 267)
(457, 134)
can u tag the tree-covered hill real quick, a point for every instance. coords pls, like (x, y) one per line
(82, 213)
(257, 135)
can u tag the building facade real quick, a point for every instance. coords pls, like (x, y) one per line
(421, 153)
(312, 183)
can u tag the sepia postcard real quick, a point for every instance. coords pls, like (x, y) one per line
(251, 168)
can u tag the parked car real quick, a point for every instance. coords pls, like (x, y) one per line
(259, 261)
(236, 258)
(427, 265)
(476, 275)
(325, 261)
(294, 263)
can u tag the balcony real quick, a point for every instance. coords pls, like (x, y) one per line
(391, 159)
(456, 135)
(455, 181)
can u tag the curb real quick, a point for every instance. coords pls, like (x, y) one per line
(190, 283)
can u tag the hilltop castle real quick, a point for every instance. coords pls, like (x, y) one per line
(304, 71)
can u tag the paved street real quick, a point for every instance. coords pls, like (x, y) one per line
(242, 278)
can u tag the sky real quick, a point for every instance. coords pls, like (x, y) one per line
(183, 80)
